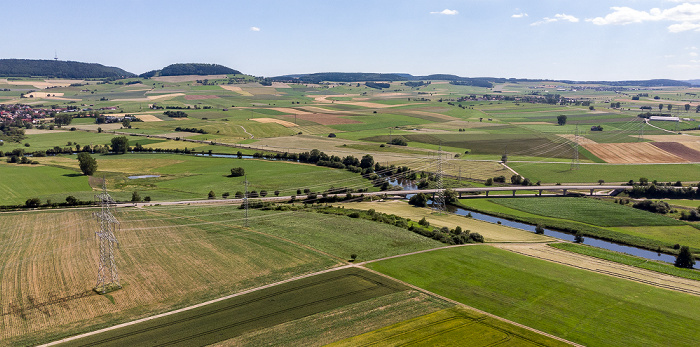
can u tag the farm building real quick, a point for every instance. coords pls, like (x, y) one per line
(665, 118)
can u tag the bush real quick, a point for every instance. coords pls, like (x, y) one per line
(71, 200)
(420, 200)
(237, 172)
(684, 258)
(211, 195)
(539, 229)
(135, 197)
(424, 222)
(399, 141)
(33, 202)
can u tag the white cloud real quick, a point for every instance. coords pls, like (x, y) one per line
(693, 54)
(686, 16)
(557, 17)
(669, 56)
(446, 12)
(254, 29)
(519, 15)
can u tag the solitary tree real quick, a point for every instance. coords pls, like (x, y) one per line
(684, 258)
(135, 197)
(561, 119)
(120, 144)
(578, 238)
(669, 107)
(88, 164)
(237, 172)
(211, 194)
(420, 200)
(661, 107)
(367, 161)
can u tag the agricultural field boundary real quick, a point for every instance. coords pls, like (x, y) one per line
(606, 267)
(189, 308)
(457, 303)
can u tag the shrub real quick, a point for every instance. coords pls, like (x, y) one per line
(211, 194)
(539, 229)
(237, 172)
(33, 202)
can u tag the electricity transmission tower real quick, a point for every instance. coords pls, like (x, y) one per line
(439, 199)
(574, 160)
(107, 274)
(245, 199)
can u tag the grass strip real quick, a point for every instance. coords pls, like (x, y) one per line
(629, 260)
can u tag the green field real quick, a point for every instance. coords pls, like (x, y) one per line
(451, 327)
(21, 182)
(578, 305)
(260, 309)
(591, 173)
(634, 236)
(626, 259)
(587, 210)
(182, 177)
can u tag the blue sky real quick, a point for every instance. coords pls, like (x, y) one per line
(560, 39)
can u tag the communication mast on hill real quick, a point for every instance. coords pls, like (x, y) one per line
(107, 274)
(574, 160)
(55, 55)
(439, 198)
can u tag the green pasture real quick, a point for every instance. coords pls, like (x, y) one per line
(591, 211)
(627, 236)
(685, 235)
(591, 173)
(581, 306)
(21, 182)
(627, 259)
(51, 139)
(377, 121)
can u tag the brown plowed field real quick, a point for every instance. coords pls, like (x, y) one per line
(632, 153)
(324, 119)
(680, 150)
(273, 120)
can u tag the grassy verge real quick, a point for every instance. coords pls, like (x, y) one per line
(629, 260)
(578, 305)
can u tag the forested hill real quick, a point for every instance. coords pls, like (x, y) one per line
(486, 82)
(191, 69)
(58, 69)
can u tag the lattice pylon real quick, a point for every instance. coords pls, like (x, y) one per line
(439, 198)
(575, 159)
(107, 273)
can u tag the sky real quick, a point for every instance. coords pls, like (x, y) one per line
(548, 39)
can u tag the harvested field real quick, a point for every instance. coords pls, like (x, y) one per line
(693, 145)
(491, 232)
(42, 94)
(296, 111)
(456, 124)
(672, 138)
(40, 131)
(542, 251)
(679, 149)
(148, 118)
(323, 99)
(153, 97)
(581, 140)
(200, 97)
(49, 268)
(43, 84)
(236, 89)
(273, 120)
(315, 109)
(631, 153)
(187, 78)
(324, 119)
(279, 85)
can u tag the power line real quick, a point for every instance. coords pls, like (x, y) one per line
(107, 274)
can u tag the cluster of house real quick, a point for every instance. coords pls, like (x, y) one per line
(28, 113)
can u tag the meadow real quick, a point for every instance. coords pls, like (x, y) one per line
(610, 173)
(580, 306)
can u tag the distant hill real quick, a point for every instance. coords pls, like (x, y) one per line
(59, 69)
(486, 82)
(694, 82)
(191, 69)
